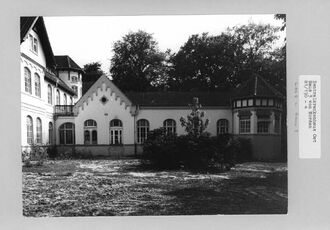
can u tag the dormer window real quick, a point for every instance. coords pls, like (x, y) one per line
(33, 44)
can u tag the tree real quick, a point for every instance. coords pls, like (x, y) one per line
(221, 62)
(92, 73)
(137, 64)
(194, 125)
(203, 63)
(93, 67)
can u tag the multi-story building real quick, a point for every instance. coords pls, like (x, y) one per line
(106, 121)
(41, 85)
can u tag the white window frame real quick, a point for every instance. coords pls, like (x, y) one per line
(170, 126)
(58, 97)
(222, 126)
(38, 131)
(50, 94)
(90, 127)
(263, 124)
(29, 130)
(245, 125)
(37, 85)
(142, 130)
(63, 128)
(27, 80)
(116, 132)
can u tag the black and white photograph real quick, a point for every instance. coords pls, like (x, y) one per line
(153, 115)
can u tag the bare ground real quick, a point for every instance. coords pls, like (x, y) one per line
(120, 187)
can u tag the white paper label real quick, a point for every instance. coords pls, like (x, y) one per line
(310, 116)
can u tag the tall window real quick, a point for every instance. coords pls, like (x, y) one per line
(263, 123)
(244, 124)
(170, 126)
(222, 126)
(29, 129)
(75, 89)
(90, 132)
(277, 123)
(39, 131)
(50, 133)
(116, 132)
(71, 101)
(64, 99)
(37, 85)
(142, 130)
(27, 80)
(50, 95)
(67, 136)
(58, 102)
(33, 44)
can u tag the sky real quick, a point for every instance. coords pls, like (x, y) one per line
(90, 39)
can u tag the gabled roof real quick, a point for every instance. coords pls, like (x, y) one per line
(98, 84)
(49, 76)
(64, 62)
(256, 86)
(175, 99)
(26, 25)
(88, 80)
(38, 24)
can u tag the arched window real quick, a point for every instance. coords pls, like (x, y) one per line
(50, 132)
(27, 80)
(37, 85)
(90, 132)
(222, 126)
(50, 95)
(116, 132)
(29, 130)
(142, 130)
(64, 99)
(67, 136)
(39, 131)
(58, 102)
(170, 126)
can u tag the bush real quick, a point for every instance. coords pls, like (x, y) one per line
(202, 153)
(159, 150)
(37, 153)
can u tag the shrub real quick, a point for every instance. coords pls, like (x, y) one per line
(159, 150)
(37, 153)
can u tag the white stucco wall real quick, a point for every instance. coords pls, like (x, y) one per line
(64, 76)
(26, 49)
(103, 114)
(32, 105)
(156, 117)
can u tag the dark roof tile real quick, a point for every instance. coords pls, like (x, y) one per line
(65, 62)
(256, 86)
(168, 99)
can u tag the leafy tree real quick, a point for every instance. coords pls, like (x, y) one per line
(93, 67)
(194, 125)
(137, 64)
(203, 63)
(221, 62)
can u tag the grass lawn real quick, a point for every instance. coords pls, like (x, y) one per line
(119, 187)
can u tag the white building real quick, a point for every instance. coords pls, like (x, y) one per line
(105, 121)
(41, 86)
